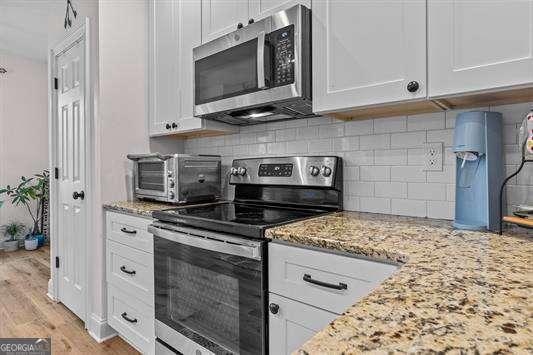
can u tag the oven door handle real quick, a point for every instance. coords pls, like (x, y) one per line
(212, 244)
(261, 60)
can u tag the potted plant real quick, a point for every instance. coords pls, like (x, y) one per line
(31, 242)
(13, 230)
(26, 192)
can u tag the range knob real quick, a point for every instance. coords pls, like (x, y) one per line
(313, 170)
(171, 195)
(326, 171)
(171, 183)
(169, 173)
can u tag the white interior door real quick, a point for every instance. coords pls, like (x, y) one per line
(71, 152)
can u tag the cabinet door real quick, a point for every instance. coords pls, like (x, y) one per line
(260, 9)
(164, 92)
(366, 52)
(294, 324)
(479, 45)
(222, 16)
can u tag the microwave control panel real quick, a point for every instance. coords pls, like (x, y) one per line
(282, 42)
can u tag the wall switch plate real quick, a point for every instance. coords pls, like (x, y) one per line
(433, 156)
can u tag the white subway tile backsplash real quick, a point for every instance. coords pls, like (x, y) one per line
(359, 128)
(408, 173)
(332, 130)
(391, 189)
(374, 173)
(405, 207)
(408, 140)
(389, 125)
(383, 158)
(390, 157)
(320, 145)
(443, 135)
(374, 205)
(377, 141)
(440, 209)
(360, 157)
(426, 191)
(345, 143)
(426, 121)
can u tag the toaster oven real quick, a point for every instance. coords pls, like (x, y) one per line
(176, 178)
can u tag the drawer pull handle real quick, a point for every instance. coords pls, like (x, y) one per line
(340, 286)
(126, 271)
(131, 320)
(128, 231)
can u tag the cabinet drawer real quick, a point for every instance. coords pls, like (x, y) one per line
(131, 270)
(131, 318)
(129, 230)
(329, 281)
(294, 324)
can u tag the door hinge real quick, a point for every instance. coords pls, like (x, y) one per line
(57, 262)
(56, 173)
(56, 83)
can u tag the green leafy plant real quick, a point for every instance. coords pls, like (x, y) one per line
(27, 191)
(13, 229)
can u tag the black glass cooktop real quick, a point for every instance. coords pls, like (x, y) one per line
(238, 218)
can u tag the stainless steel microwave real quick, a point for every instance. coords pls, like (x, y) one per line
(176, 178)
(258, 73)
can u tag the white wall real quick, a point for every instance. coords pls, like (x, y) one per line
(383, 169)
(23, 126)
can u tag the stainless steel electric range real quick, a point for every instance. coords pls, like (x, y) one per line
(210, 260)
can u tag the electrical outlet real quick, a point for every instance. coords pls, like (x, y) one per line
(433, 156)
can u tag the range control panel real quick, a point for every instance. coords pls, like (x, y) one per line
(282, 41)
(275, 170)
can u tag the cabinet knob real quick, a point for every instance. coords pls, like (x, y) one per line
(239, 25)
(174, 125)
(274, 308)
(167, 126)
(250, 21)
(413, 86)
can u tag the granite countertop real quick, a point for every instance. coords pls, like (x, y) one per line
(141, 208)
(457, 292)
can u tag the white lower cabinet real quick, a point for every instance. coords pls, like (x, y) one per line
(130, 279)
(308, 288)
(293, 323)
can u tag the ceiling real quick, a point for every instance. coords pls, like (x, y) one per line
(28, 27)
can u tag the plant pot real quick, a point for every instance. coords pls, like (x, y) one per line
(31, 243)
(11, 245)
(40, 239)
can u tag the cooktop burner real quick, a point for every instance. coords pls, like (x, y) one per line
(233, 217)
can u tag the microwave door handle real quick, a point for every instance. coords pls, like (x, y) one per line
(261, 60)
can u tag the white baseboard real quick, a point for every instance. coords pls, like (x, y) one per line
(99, 329)
(51, 290)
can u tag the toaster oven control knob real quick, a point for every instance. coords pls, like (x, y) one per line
(274, 308)
(313, 170)
(241, 171)
(326, 171)
(171, 195)
(171, 183)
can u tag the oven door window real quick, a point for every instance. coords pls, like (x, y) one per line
(151, 176)
(214, 299)
(228, 73)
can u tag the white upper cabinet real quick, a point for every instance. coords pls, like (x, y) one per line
(174, 30)
(367, 52)
(479, 45)
(260, 9)
(220, 17)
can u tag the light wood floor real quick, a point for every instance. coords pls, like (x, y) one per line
(26, 311)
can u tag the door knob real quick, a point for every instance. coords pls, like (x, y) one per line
(77, 195)
(274, 308)
(413, 86)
